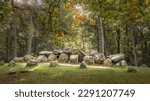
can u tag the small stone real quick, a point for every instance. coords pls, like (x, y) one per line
(132, 69)
(83, 65)
(32, 62)
(2, 63)
(144, 65)
(54, 63)
(18, 59)
(12, 63)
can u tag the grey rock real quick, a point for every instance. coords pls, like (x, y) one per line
(52, 57)
(132, 69)
(57, 51)
(54, 63)
(39, 58)
(75, 52)
(93, 52)
(123, 63)
(28, 57)
(42, 58)
(118, 64)
(12, 63)
(99, 58)
(32, 62)
(108, 62)
(63, 58)
(2, 63)
(83, 65)
(18, 59)
(67, 50)
(89, 59)
(74, 58)
(117, 57)
(144, 65)
(45, 52)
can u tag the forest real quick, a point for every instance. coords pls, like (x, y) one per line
(102, 34)
(108, 26)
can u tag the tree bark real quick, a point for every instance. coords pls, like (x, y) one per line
(118, 40)
(30, 32)
(133, 47)
(15, 37)
(101, 39)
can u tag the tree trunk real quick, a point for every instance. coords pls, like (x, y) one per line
(101, 40)
(134, 47)
(30, 32)
(15, 37)
(118, 40)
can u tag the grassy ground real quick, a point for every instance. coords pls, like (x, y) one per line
(43, 74)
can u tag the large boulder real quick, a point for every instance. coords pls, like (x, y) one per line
(18, 59)
(44, 59)
(39, 58)
(83, 65)
(53, 63)
(67, 50)
(75, 52)
(117, 57)
(57, 51)
(32, 62)
(28, 57)
(123, 63)
(74, 59)
(52, 57)
(89, 59)
(108, 62)
(93, 52)
(99, 58)
(12, 63)
(63, 58)
(46, 53)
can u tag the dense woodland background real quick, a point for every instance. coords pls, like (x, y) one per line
(108, 26)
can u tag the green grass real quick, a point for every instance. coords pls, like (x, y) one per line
(43, 74)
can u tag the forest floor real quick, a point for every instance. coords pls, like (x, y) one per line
(71, 74)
